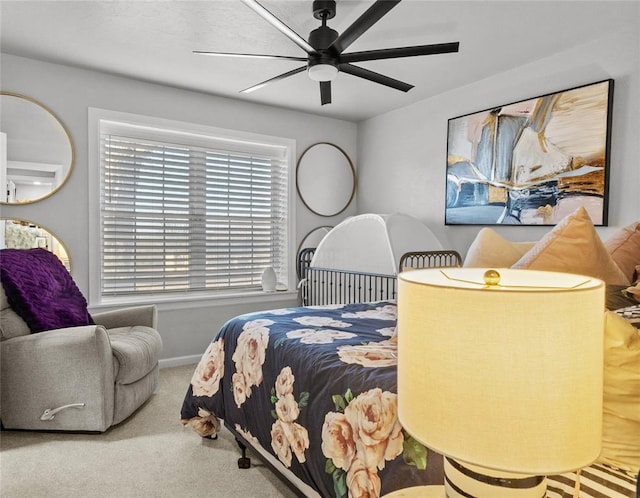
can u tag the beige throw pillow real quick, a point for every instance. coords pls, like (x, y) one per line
(624, 247)
(490, 250)
(573, 246)
(621, 402)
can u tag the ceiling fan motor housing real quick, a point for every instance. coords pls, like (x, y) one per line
(321, 38)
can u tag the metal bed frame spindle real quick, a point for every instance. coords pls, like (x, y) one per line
(429, 259)
(323, 286)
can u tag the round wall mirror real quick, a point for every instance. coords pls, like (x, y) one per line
(325, 179)
(313, 238)
(23, 234)
(36, 151)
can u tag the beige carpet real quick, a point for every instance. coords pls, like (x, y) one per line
(149, 455)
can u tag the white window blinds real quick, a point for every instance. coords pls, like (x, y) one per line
(182, 212)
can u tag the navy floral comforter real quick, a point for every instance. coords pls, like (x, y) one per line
(316, 387)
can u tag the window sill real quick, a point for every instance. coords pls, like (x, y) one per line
(183, 301)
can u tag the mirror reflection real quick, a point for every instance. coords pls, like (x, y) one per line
(23, 234)
(313, 238)
(36, 152)
(310, 241)
(325, 179)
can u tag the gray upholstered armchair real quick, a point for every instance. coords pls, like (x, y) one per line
(81, 378)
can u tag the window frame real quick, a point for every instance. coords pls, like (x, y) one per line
(97, 116)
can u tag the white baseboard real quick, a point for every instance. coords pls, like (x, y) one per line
(179, 361)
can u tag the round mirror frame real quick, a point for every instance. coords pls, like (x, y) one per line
(353, 179)
(309, 234)
(71, 149)
(301, 246)
(29, 223)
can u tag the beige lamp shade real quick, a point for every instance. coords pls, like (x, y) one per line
(505, 376)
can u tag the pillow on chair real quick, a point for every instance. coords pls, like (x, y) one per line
(41, 291)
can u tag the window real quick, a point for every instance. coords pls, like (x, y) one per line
(184, 210)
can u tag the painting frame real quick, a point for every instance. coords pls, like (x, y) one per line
(533, 161)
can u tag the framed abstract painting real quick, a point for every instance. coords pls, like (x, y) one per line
(531, 162)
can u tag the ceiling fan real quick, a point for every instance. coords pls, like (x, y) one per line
(325, 48)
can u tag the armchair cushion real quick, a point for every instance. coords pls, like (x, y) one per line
(41, 291)
(135, 352)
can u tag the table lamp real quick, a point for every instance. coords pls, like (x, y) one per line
(501, 372)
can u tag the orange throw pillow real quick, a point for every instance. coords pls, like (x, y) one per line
(624, 247)
(573, 246)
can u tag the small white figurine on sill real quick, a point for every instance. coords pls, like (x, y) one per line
(269, 279)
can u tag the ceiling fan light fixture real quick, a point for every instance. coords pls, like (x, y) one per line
(323, 72)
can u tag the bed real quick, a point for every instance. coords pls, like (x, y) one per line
(313, 390)
(301, 382)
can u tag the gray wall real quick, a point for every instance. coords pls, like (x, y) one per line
(186, 328)
(402, 154)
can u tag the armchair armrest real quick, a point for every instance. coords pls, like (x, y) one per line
(126, 317)
(43, 371)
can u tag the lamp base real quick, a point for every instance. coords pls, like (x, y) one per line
(464, 480)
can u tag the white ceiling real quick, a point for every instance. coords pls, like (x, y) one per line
(153, 40)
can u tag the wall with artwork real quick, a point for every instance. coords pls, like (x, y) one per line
(403, 154)
(531, 162)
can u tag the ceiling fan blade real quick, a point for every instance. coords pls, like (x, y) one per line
(363, 23)
(250, 56)
(325, 92)
(279, 25)
(274, 79)
(375, 77)
(393, 53)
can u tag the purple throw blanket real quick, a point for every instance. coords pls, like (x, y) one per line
(41, 291)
